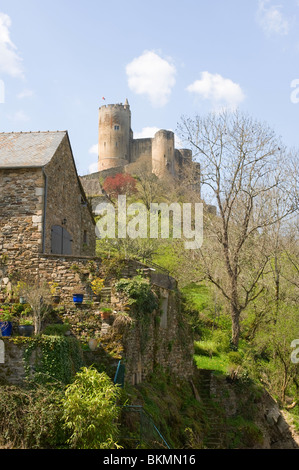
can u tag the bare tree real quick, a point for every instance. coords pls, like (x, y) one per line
(243, 170)
(39, 298)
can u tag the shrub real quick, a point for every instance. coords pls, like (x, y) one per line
(56, 329)
(90, 411)
(31, 419)
(139, 293)
(235, 357)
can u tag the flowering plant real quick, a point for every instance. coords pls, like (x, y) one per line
(97, 285)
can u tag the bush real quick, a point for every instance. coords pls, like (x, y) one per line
(56, 329)
(235, 357)
(90, 411)
(31, 419)
(139, 293)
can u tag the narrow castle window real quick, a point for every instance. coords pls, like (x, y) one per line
(116, 128)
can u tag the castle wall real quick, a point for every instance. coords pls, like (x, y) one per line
(114, 136)
(141, 148)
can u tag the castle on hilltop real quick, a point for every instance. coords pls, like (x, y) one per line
(119, 152)
(118, 148)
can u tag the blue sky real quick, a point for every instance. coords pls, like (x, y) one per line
(169, 58)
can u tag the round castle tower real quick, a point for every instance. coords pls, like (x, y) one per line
(163, 153)
(114, 136)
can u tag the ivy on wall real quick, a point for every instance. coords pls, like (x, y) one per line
(52, 358)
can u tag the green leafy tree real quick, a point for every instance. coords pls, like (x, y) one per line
(90, 411)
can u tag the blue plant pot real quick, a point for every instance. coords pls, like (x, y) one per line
(78, 298)
(6, 328)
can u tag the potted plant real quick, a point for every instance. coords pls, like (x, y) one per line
(105, 313)
(26, 327)
(78, 297)
(54, 292)
(5, 321)
(97, 285)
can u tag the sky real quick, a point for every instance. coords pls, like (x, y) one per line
(62, 60)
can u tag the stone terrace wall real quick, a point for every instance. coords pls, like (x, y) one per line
(72, 272)
(166, 343)
(13, 371)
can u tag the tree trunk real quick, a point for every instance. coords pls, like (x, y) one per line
(235, 314)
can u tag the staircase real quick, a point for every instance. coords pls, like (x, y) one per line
(215, 436)
(106, 294)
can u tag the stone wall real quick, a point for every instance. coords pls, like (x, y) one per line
(166, 346)
(66, 204)
(160, 341)
(12, 369)
(163, 339)
(21, 213)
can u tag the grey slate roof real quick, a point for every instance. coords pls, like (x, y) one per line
(28, 149)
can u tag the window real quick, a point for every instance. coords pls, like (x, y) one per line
(85, 237)
(61, 241)
(116, 128)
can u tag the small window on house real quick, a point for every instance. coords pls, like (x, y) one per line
(116, 128)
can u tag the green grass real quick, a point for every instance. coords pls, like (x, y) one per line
(218, 363)
(199, 296)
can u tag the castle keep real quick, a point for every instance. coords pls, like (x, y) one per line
(119, 150)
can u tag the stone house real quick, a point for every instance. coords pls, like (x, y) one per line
(43, 207)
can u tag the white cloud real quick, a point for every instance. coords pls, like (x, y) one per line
(222, 92)
(25, 94)
(152, 76)
(94, 149)
(19, 116)
(93, 167)
(271, 20)
(146, 132)
(10, 61)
